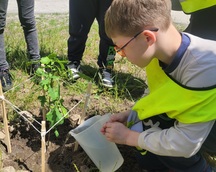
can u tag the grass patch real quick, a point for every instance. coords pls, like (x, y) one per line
(53, 35)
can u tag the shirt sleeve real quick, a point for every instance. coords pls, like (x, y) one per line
(181, 140)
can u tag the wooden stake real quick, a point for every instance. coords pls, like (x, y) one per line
(81, 119)
(88, 93)
(43, 146)
(44, 111)
(5, 121)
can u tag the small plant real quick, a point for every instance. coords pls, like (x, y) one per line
(52, 70)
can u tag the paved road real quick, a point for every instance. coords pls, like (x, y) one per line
(62, 6)
(43, 6)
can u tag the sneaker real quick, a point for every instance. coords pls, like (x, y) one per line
(213, 169)
(6, 80)
(106, 77)
(35, 67)
(75, 69)
(32, 67)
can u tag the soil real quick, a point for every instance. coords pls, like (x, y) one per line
(26, 153)
(60, 155)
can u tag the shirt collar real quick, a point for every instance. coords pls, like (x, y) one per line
(179, 54)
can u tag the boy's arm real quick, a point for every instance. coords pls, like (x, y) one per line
(182, 140)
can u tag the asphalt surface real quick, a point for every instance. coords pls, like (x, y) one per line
(43, 6)
(62, 6)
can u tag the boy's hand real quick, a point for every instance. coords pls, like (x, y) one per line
(115, 132)
(118, 117)
(118, 133)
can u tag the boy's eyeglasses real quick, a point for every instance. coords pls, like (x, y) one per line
(121, 52)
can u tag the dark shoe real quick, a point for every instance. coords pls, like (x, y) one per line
(75, 69)
(33, 68)
(106, 77)
(6, 80)
(213, 169)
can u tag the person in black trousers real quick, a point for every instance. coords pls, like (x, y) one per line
(82, 14)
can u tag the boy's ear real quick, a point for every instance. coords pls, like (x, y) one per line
(150, 37)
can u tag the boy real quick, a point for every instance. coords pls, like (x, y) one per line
(175, 123)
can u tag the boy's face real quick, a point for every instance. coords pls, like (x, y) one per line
(134, 48)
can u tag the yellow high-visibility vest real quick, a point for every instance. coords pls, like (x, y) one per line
(180, 103)
(189, 6)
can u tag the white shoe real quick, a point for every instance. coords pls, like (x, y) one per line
(75, 69)
(106, 77)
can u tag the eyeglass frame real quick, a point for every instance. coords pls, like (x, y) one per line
(120, 49)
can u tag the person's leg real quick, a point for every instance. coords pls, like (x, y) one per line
(28, 23)
(195, 163)
(150, 162)
(203, 24)
(154, 162)
(210, 142)
(107, 53)
(5, 76)
(106, 47)
(208, 148)
(81, 16)
(3, 11)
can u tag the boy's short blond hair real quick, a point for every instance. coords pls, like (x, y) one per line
(128, 17)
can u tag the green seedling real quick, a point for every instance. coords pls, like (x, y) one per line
(52, 70)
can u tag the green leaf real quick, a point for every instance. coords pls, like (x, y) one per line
(45, 60)
(52, 56)
(54, 93)
(59, 116)
(42, 99)
(51, 117)
(39, 71)
(56, 132)
(64, 110)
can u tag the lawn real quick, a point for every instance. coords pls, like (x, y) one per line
(53, 34)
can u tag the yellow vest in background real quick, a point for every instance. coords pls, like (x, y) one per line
(190, 6)
(182, 104)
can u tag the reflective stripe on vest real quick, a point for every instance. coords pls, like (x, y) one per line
(141, 151)
(190, 6)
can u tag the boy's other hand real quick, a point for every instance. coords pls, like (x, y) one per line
(120, 117)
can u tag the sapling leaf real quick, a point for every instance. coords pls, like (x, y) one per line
(45, 82)
(39, 71)
(52, 56)
(58, 116)
(63, 110)
(45, 60)
(42, 99)
(51, 117)
(54, 93)
(56, 132)
(51, 72)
